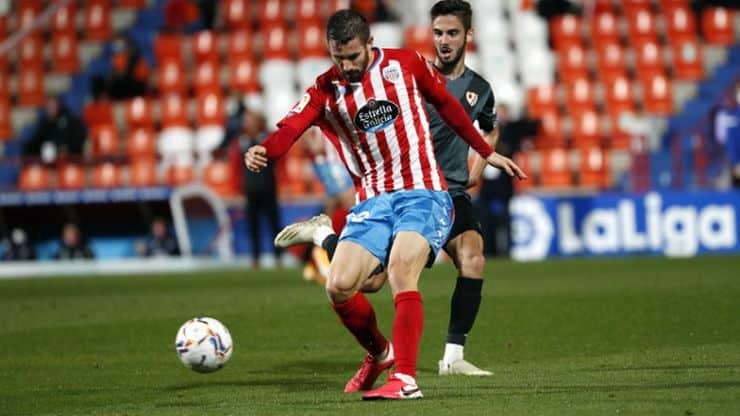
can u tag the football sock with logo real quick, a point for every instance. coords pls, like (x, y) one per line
(407, 327)
(463, 309)
(329, 243)
(358, 316)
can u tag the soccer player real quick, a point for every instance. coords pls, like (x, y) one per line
(451, 25)
(370, 106)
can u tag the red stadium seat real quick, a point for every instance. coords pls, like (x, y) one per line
(26, 13)
(31, 50)
(603, 6)
(586, 129)
(271, 11)
(105, 140)
(667, 5)
(335, 5)
(4, 85)
(555, 171)
(717, 26)
(6, 123)
(243, 75)
(174, 112)
(31, 86)
(308, 11)
(65, 53)
(311, 40)
(240, 44)
(171, 77)
(106, 175)
(604, 29)
(680, 25)
(205, 46)
(138, 113)
(649, 60)
(141, 143)
(620, 96)
(179, 175)
(98, 113)
(142, 172)
(70, 176)
(593, 168)
(541, 100)
(97, 20)
(34, 178)
(218, 176)
(211, 110)
(168, 47)
(579, 96)
(611, 62)
(419, 38)
(572, 64)
(658, 95)
(642, 27)
(64, 20)
(551, 131)
(237, 14)
(687, 61)
(275, 43)
(631, 7)
(207, 77)
(565, 31)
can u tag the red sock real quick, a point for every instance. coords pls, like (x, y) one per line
(407, 326)
(358, 315)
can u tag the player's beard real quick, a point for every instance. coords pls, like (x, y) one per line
(355, 75)
(453, 60)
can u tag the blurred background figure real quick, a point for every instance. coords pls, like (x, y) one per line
(73, 245)
(129, 76)
(60, 133)
(17, 247)
(160, 243)
(260, 189)
(727, 133)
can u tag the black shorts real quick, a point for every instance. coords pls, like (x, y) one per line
(465, 218)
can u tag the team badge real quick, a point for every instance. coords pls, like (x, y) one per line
(392, 73)
(471, 98)
(301, 104)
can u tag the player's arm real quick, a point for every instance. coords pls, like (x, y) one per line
(290, 129)
(487, 123)
(432, 86)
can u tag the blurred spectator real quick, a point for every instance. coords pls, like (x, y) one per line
(181, 16)
(160, 243)
(235, 109)
(551, 8)
(73, 245)
(59, 133)
(17, 248)
(130, 75)
(207, 12)
(727, 133)
(497, 189)
(260, 188)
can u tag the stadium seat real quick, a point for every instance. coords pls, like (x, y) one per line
(175, 141)
(210, 121)
(566, 32)
(65, 19)
(34, 178)
(388, 34)
(572, 64)
(4, 86)
(31, 86)
(98, 113)
(593, 168)
(419, 38)
(586, 129)
(311, 40)
(309, 69)
(239, 44)
(97, 20)
(30, 51)
(138, 113)
(658, 95)
(649, 60)
(275, 43)
(555, 169)
(579, 96)
(141, 143)
(271, 11)
(523, 160)
(632, 7)
(541, 100)
(243, 74)
(717, 26)
(536, 66)
(173, 111)
(611, 62)
(106, 175)
(142, 172)
(65, 53)
(551, 133)
(307, 11)
(688, 64)
(335, 5)
(26, 13)
(70, 176)
(531, 30)
(680, 25)
(168, 47)
(207, 77)
(176, 175)
(6, 122)
(204, 45)
(218, 175)
(642, 27)
(604, 29)
(603, 6)
(237, 14)
(105, 141)
(277, 73)
(171, 77)
(619, 96)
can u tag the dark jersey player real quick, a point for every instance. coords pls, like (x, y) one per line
(451, 29)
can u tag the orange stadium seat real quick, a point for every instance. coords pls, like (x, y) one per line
(98, 113)
(138, 113)
(171, 77)
(658, 95)
(141, 143)
(308, 11)
(604, 29)
(572, 64)
(27, 12)
(642, 27)
(635, 6)
(239, 44)
(680, 25)
(541, 100)
(174, 112)
(65, 19)
(611, 62)
(717, 26)
(271, 11)
(687, 61)
(311, 40)
(649, 60)
(168, 47)
(579, 96)
(236, 13)
(179, 175)
(142, 172)
(207, 77)
(6, 123)
(218, 176)
(555, 169)
(65, 57)
(620, 96)
(243, 75)
(31, 86)
(31, 50)
(551, 131)
(106, 175)
(4, 85)
(566, 31)
(603, 6)
(97, 20)
(275, 43)
(105, 140)
(666, 5)
(211, 110)
(586, 129)
(335, 5)
(34, 178)
(70, 176)
(593, 168)
(205, 46)
(419, 38)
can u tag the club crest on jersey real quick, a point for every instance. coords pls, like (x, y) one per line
(471, 97)
(392, 73)
(300, 105)
(376, 115)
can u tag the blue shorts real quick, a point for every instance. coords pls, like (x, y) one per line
(374, 223)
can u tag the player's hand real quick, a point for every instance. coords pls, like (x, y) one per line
(256, 158)
(504, 163)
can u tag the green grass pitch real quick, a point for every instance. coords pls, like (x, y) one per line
(644, 336)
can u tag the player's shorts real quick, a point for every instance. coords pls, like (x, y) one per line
(465, 218)
(374, 223)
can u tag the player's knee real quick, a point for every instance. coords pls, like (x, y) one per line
(471, 263)
(339, 288)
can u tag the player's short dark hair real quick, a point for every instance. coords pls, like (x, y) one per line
(345, 25)
(459, 8)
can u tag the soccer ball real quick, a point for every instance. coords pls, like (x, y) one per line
(203, 345)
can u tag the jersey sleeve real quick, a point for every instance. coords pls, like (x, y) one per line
(431, 83)
(304, 114)
(487, 116)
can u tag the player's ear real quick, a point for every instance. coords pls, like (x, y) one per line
(469, 35)
(370, 41)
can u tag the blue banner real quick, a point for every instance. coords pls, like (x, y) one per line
(673, 224)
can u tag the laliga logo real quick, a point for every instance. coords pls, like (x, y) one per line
(531, 229)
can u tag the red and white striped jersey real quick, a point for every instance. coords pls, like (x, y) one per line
(379, 126)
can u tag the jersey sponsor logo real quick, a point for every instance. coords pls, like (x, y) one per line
(392, 73)
(300, 105)
(376, 115)
(471, 97)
